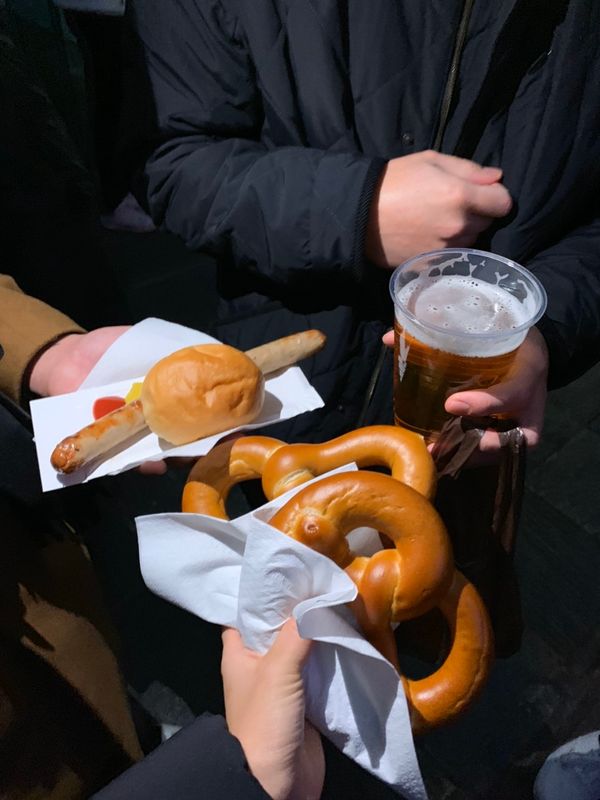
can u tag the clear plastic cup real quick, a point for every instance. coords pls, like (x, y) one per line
(460, 316)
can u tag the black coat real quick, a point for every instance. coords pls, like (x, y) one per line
(274, 118)
(201, 761)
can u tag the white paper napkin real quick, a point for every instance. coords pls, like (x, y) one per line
(287, 393)
(248, 575)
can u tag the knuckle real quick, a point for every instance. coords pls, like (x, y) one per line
(453, 227)
(502, 199)
(457, 194)
(508, 203)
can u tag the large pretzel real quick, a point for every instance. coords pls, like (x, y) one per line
(398, 584)
(394, 584)
(285, 466)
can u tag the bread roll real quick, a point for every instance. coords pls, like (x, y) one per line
(201, 390)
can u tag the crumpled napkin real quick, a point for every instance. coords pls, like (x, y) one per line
(248, 575)
(287, 393)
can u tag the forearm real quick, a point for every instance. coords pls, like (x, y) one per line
(283, 213)
(27, 327)
(215, 179)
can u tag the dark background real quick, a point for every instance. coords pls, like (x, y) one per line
(534, 701)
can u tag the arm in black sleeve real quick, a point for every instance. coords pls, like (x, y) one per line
(279, 211)
(570, 273)
(202, 760)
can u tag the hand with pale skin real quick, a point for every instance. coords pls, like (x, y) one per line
(62, 368)
(520, 397)
(427, 201)
(264, 708)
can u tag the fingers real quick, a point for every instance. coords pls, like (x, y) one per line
(488, 201)
(490, 446)
(289, 647)
(236, 659)
(523, 402)
(388, 338)
(486, 197)
(481, 403)
(468, 170)
(232, 643)
(152, 468)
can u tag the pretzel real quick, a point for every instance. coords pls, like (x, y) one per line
(395, 584)
(399, 584)
(282, 467)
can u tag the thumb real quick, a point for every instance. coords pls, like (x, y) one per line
(233, 645)
(469, 170)
(289, 648)
(481, 403)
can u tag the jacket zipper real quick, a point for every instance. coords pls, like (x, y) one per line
(448, 96)
(459, 43)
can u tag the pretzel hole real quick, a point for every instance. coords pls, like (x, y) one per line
(422, 644)
(243, 498)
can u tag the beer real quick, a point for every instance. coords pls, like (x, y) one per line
(430, 376)
(452, 333)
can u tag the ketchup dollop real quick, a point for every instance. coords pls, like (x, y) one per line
(104, 405)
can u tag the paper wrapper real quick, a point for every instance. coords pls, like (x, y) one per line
(287, 393)
(248, 575)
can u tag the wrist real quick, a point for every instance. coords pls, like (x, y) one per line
(42, 367)
(278, 785)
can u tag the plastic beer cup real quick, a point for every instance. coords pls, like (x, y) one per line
(459, 318)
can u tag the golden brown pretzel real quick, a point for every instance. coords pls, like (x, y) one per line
(403, 452)
(394, 584)
(399, 584)
(283, 467)
(212, 476)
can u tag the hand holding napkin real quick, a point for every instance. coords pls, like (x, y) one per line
(250, 576)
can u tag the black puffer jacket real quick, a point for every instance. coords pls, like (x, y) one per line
(275, 116)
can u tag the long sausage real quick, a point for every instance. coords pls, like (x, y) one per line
(118, 427)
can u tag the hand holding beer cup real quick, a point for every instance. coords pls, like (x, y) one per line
(464, 342)
(521, 396)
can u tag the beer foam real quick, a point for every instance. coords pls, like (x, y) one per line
(463, 305)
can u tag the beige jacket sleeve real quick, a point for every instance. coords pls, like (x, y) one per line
(27, 326)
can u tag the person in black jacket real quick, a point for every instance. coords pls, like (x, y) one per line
(266, 748)
(312, 146)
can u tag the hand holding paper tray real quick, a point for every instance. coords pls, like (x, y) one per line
(193, 393)
(287, 393)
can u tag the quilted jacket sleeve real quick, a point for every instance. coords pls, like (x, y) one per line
(570, 273)
(276, 211)
(201, 761)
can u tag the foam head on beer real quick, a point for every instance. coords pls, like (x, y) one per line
(454, 312)
(460, 316)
